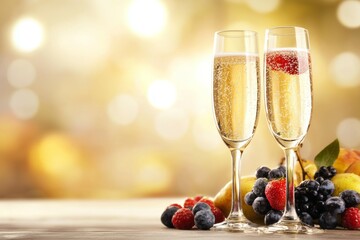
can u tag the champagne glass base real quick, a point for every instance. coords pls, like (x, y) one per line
(291, 227)
(244, 226)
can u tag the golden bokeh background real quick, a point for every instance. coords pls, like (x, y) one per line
(112, 98)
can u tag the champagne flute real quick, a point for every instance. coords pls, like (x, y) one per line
(236, 93)
(288, 105)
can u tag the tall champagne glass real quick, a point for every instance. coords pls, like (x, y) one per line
(236, 90)
(288, 105)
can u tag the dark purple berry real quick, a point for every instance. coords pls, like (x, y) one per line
(204, 219)
(167, 215)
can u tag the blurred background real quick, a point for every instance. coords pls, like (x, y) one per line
(112, 98)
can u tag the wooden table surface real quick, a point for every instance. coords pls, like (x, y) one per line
(116, 219)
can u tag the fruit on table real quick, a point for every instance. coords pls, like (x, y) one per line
(346, 181)
(222, 199)
(345, 160)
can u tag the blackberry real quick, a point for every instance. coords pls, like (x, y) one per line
(204, 219)
(350, 197)
(306, 218)
(167, 215)
(262, 172)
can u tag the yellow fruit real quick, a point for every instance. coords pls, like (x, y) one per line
(346, 181)
(354, 168)
(345, 159)
(309, 168)
(222, 199)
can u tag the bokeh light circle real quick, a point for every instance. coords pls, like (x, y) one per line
(348, 132)
(172, 124)
(27, 34)
(162, 94)
(263, 6)
(24, 103)
(123, 109)
(21, 73)
(348, 13)
(345, 69)
(146, 17)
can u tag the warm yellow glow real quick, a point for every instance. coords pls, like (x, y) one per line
(27, 35)
(204, 131)
(172, 124)
(161, 94)
(24, 103)
(123, 109)
(345, 69)
(263, 6)
(348, 13)
(146, 17)
(21, 73)
(57, 163)
(348, 132)
(152, 176)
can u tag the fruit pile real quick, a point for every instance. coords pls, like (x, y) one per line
(198, 211)
(314, 202)
(267, 197)
(313, 199)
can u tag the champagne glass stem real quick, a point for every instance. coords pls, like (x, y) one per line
(290, 210)
(235, 212)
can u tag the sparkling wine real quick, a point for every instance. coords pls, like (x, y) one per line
(288, 94)
(236, 102)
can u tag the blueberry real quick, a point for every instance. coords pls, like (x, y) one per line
(350, 197)
(200, 206)
(249, 198)
(272, 216)
(275, 174)
(306, 218)
(282, 168)
(335, 205)
(327, 187)
(204, 219)
(327, 220)
(262, 172)
(261, 205)
(259, 187)
(167, 215)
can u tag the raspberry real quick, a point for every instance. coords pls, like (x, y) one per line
(189, 203)
(219, 216)
(275, 193)
(183, 219)
(351, 218)
(208, 202)
(291, 62)
(175, 205)
(198, 198)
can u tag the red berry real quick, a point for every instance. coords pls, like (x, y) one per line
(198, 198)
(175, 205)
(183, 219)
(219, 216)
(275, 193)
(351, 218)
(208, 202)
(291, 62)
(189, 202)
